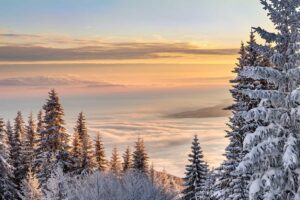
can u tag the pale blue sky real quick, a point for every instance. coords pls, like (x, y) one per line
(172, 19)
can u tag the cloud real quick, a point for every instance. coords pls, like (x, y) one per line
(207, 112)
(106, 51)
(13, 35)
(167, 140)
(41, 81)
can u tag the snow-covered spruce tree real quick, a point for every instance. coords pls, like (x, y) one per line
(17, 150)
(234, 185)
(152, 174)
(115, 163)
(209, 185)
(76, 153)
(29, 144)
(101, 162)
(39, 149)
(7, 189)
(30, 187)
(273, 148)
(196, 172)
(57, 185)
(54, 145)
(9, 134)
(140, 156)
(127, 159)
(86, 146)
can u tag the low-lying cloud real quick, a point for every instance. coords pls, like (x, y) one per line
(206, 112)
(167, 140)
(41, 81)
(106, 51)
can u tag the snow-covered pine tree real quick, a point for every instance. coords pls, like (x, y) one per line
(152, 174)
(9, 133)
(57, 185)
(86, 146)
(209, 185)
(7, 190)
(55, 141)
(101, 162)
(39, 149)
(273, 148)
(127, 159)
(30, 187)
(76, 153)
(115, 162)
(17, 150)
(40, 123)
(140, 156)
(232, 184)
(29, 144)
(196, 172)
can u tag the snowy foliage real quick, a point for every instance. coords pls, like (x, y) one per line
(7, 190)
(133, 185)
(101, 162)
(115, 162)
(140, 157)
(30, 187)
(273, 147)
(85, 146)
(196, 172)
(127, 160)
(55, 141)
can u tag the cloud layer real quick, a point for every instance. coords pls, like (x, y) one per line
(30, 47)
(41, 81)
(207, 112)
(168, 141)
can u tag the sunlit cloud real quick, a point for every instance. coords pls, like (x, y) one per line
(41, 81)
(123, 51)
(168, 140)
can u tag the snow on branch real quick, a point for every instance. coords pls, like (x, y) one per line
(279, 116)
(277, 98)
(259, 153)
(263, 73)
(295, 97)
(290, 156)
(262, 133)
(269, 37)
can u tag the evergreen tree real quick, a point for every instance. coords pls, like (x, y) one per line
(127, 158)
(6, 182)
(196, 173)
(209, 185)
(10, 142)
(29, 144)
(57, 185)
(39, 149)
(140, 157)
(115, 163)
(101, 162)
(76, 153)
(30, 187)
(86, 146)
(55, 141)
(233, 184)
(40, 123)
(272, 149)
(17, 150)
(152, 174)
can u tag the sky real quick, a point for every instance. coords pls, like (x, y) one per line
(157, 69)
